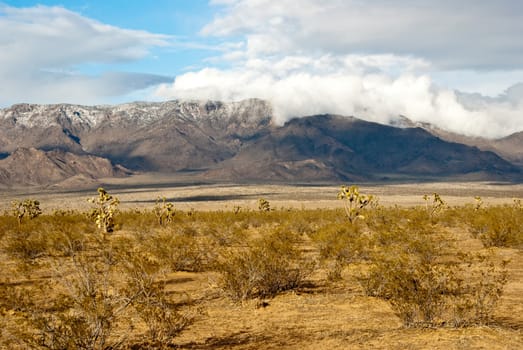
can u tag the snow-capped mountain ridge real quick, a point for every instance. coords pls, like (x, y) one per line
(238, 141)
(145, 113)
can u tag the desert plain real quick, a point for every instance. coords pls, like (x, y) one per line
(320, 313)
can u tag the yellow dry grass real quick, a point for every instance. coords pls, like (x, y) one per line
(319, 315)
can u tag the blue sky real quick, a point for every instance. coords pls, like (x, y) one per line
(181, 19)
(456, 64)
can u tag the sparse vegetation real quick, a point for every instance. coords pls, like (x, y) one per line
(66, 287)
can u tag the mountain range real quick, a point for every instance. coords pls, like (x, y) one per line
(236, 141)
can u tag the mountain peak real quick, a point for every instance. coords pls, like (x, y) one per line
(232, 141)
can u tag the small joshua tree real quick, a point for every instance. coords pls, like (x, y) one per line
(478, 203)
(264, 205)
(164, 211)
(29, 208)
(354, 202)
(105, 208)
(436, 206)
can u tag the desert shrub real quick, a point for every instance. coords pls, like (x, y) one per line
(419, 277)
(302, 226)
(18, 297)
(100, 291)
(50, 235)
(430, 293)
(414, 289)
(178, 251)
(339, 245)
(225, 235)
(481, 284)
(498, 226)
(26, 246)
(93, 308)
(269, 266)
(145, 288)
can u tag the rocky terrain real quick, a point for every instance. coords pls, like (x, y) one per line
(33, 167)
(509, 147)
(47, 144)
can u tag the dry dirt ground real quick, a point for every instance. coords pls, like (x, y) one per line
(324, 315)
(141, 191)
(337, 316)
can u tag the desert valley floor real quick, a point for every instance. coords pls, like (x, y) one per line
(322, 313)
(141, 191)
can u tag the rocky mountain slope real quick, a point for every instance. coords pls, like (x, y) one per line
(338, 148)
(30, 167)
(226, 141)
(509, 147)
(165, 136)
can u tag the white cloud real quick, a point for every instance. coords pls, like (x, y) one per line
(451, 34)
(353, 85)
(42, 47)
(371, 59)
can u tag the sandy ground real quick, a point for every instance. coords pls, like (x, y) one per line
(141, 191)
(322, 315)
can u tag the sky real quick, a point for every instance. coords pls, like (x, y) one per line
(455, 64)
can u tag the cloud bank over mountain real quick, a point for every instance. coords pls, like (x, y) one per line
(375, 60)
(455, 64)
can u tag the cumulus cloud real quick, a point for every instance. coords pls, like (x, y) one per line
(42, 47)
(374, 60)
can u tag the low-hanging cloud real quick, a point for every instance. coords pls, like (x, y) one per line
(374, 60)
(42, 48)
(353, 90)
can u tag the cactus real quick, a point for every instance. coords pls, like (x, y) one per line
(354, 202)
(104, 210)
(29, 208)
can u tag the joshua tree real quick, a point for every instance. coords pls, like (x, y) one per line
(354, 202)
(29, 208)
(104, 211)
